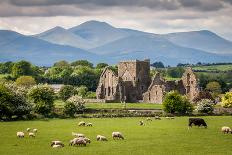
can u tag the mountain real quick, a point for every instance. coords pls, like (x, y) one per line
(100, 42)
(203, 40)
(15, 46)
(156, 48)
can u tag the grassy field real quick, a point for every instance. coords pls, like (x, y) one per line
(60, 104)
(156, 137)
(214, 68)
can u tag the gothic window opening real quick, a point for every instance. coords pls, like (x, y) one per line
(108, 91)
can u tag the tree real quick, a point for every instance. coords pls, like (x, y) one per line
(22, 68)
(214, 87)
(82, 90)
(203, 95)
(175, 103)
(5, 68)
(227, 100)
(73, 105)
(26, 81)
(61, 64)
(82, 63)
(101, 65)
(13, 101)
(66, 92)
(43, 98)
(175, 72)
(205, 106)
(158, 64)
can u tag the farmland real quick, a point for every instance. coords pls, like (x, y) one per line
(156, 137)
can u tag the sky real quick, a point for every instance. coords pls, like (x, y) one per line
(156, 16)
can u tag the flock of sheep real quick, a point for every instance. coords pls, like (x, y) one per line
(79, 140)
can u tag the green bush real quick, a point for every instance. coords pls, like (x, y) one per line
(74, 105)
(90, 95)
(66, 92)
(43, 98)
(175, 103)
(205, 106)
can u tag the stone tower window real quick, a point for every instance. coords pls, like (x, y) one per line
(112, 90)
(105, 75)
(149, 96)
(108, 91)
(188, 78)
(105, 91)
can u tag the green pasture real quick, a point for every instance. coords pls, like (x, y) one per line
(168, 137)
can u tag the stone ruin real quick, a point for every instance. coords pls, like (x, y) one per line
(132, 83)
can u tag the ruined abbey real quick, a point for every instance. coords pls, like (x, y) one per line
(132, 83)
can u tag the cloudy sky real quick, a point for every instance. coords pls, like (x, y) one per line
(157, 16)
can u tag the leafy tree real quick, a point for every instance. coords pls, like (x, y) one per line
(43, 98)
(22, 68)
(227, 100)
(214, 87)
(73, 105)
(82, 90)
(205, 106)
(26, 81)
(61, 64)
(82, 63)
(91, 95)
(175, 72)
(13, 101)
(175, 103)
(5, 68)
(101, 65)
(158, 64)
(66, 92)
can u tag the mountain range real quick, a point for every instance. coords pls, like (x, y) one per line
(100, 42)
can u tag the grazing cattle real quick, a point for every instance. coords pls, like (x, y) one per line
(197, 122)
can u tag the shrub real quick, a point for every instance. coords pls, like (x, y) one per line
(91, 95)
(26, 81)
(227, 100)
(205, 106)
(74, 105)
(43, 98)
(82, 90)
(175, 103)
(66, 92)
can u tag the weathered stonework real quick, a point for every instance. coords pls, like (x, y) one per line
(132, 84)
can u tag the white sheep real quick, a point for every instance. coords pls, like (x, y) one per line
(78, 134)
(31, 134)
(101, 138)
(226, 129)
(78, 141)
(20, 134)
(28, 129)
(89, 124)
(149, 119)
(35, 130)
(157, 118)
(57, 146)
(87, 140)
(82, 123)
(117, 135)
(57, 142)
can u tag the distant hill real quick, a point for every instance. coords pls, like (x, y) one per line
(15, 46)
(202, 40)
(100, 42)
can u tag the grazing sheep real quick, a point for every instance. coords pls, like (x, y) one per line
(141, 123)
(82, 123)
(35, 130)
(89, 124)
(20, 134)
(57, 142)
(157, 118)
(149, 119)
(101, 138)
(78, 134)
(169, 117)
(87, 140)
(28, 129)
(117, 135)
(71, 142)
(31, 134)
(226, 129)
(79, 141)
(57, 146)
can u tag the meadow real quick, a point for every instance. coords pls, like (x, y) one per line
(156, 137)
